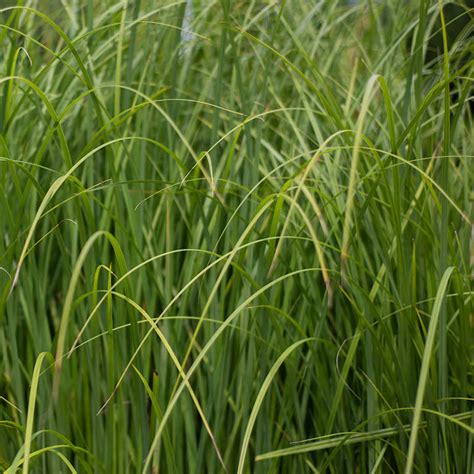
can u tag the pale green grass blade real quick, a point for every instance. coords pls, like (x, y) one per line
(425, 366)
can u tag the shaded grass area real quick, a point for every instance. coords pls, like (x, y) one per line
(235, 237)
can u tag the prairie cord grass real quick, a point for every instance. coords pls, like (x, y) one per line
(236, 236)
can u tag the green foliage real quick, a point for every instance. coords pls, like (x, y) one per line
(235, 237)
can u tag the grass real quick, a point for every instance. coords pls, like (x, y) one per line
(236, 237)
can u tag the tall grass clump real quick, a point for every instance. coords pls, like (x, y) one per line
(236, 236)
